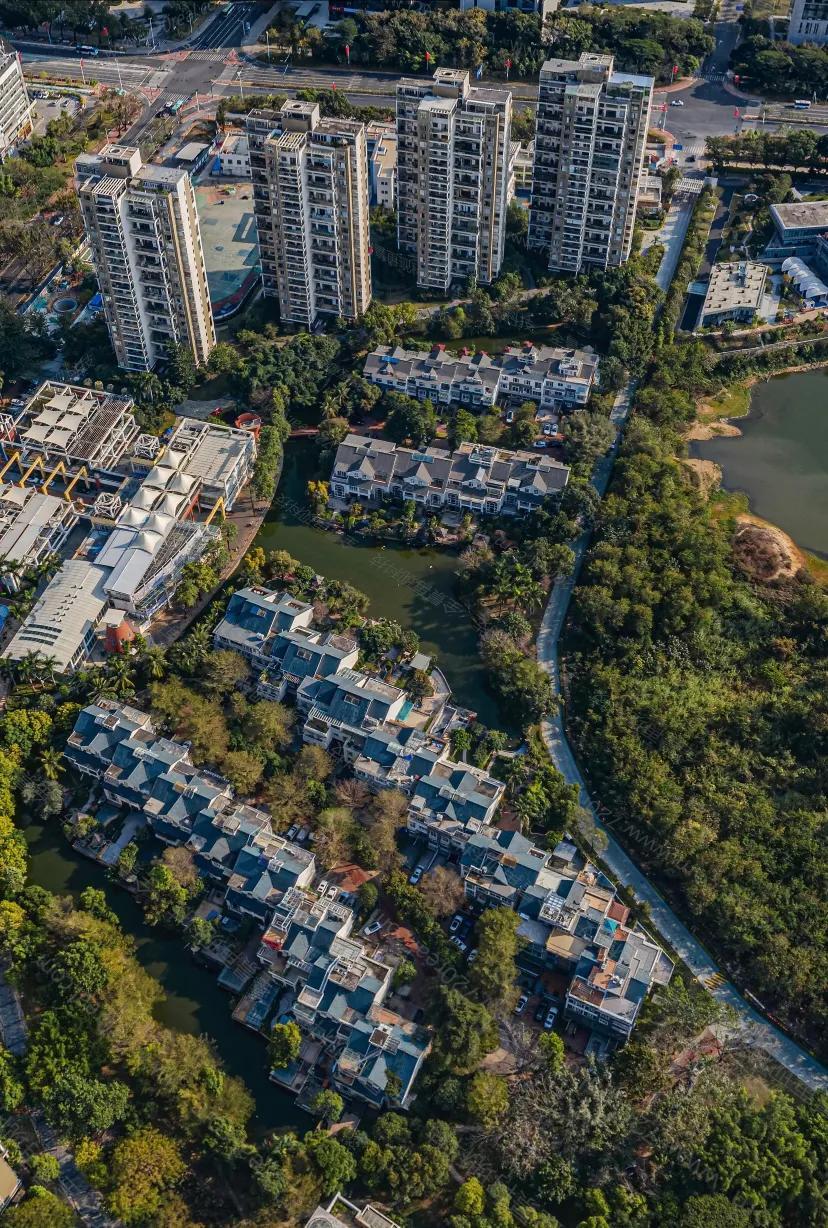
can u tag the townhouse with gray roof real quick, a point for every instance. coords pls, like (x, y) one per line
(552, 376)
(233, 844)
(571, 922)
(484, 480)
(335, 991)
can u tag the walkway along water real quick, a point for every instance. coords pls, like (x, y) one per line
(756, 1030)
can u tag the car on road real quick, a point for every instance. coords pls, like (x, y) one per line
(460, 944)
(690, 158)
(456, 922)
(373, 928)
(676, 102)
(521, 1004)
(415, 875)
(551, 1016)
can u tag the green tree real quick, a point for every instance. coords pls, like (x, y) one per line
(285, 1043)
(335, 1164)
(44, 1167)
(143, 1167)
(467, 1032)
(487, 1098)
(40, 1209)
(470, 1198)
(494, 972)
(328, 1106)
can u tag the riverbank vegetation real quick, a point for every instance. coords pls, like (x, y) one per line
(689, 689)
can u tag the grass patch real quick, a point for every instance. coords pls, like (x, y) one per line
(731, 402)
(817, 567)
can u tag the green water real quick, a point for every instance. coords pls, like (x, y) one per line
(780, 461)
(193, 1002)
(415, 587)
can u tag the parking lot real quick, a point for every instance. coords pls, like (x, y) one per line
(44, 110)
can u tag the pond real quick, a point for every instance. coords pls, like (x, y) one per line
(414, 587)
(193, 1002)
(780, 461)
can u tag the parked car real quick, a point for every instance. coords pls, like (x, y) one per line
(456, 922)
(373, 928)
(473, 955)
(551, 1016)
(539, 443)
(460, 944)
(521, 1004)
(540, 1013)
(292, 832)
(415, 875)
(510, 415)
(676, 102)
(551, 428)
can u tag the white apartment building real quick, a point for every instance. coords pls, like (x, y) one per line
(142, 226)
(808, 22)
(453, 144)
(551, 376)
(382, 163)
(589, 151)
(311, 202)
(233, 157)
(15, 108)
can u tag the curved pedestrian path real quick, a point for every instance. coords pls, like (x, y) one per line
(756, 1031)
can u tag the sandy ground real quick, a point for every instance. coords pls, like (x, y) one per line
(764, 551)
(709, 430)
(707, 474)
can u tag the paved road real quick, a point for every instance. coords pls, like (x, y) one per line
(757, 1031)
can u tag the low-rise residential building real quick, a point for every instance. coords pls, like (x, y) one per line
(33, 525)
(572, 922)
(552, 376)
(233, 844)
(484, 480)
(382, 163)
(233, 157)
(523, 160)
(340, 1213)
(735, 292)
(336, 994)
(192, 156)
(341, 709)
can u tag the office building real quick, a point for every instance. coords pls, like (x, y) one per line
(589, 151)
(808, 22)
(15, 108)
(311, 203)
(734, 292)
(453, 143)
(142, 226)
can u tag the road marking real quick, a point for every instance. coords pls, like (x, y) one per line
(714, 981)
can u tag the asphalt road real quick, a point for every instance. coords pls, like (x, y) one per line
(227, 29)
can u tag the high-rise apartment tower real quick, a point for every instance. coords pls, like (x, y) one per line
(15, 108)
(452, 177)
(311, 202)
(589, 151)
(808, 22)
(142, 226)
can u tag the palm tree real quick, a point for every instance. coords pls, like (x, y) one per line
(51, 762)
(154, 660)
(118, 677)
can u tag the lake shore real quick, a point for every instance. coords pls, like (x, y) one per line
(763, 548)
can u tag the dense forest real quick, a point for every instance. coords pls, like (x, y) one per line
(699, 702)
(648, 42)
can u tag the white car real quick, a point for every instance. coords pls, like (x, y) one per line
(460, 944)
(549, 1021)
(676, 102)
(373, 928)
(473, 955)
(521, 1004)
(415, 876)
(456, 922)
